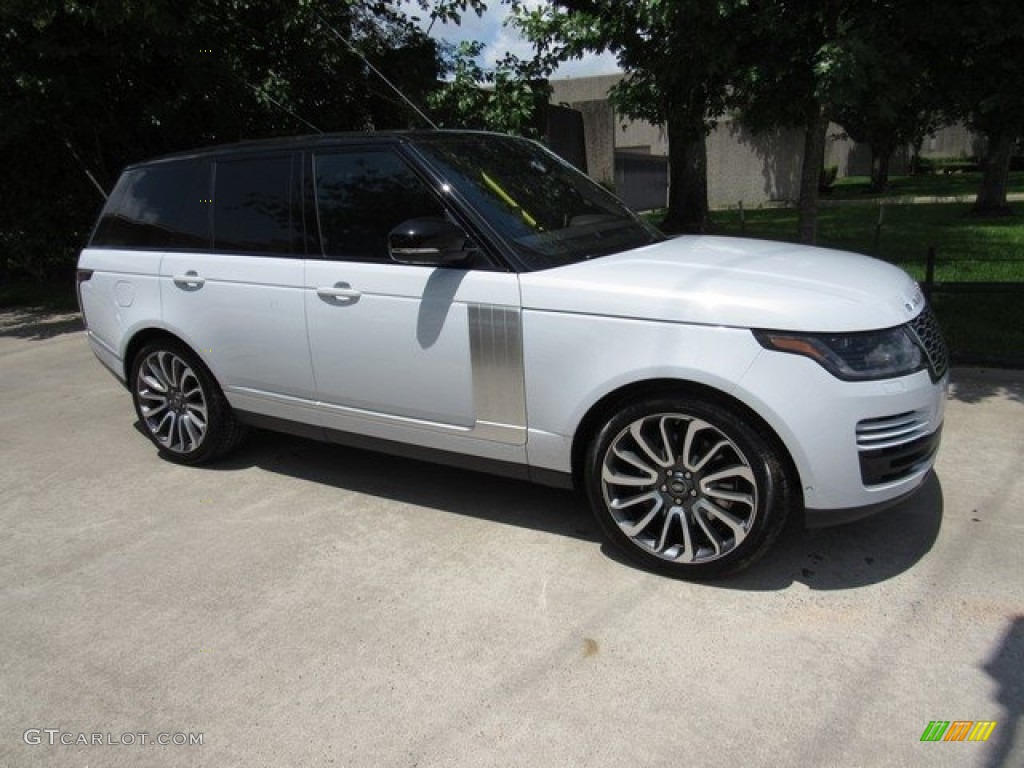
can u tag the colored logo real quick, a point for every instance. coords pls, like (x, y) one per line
(958, 730)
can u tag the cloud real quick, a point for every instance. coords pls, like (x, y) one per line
(501, 38)
(589, 65)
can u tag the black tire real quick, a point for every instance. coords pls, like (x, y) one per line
(180, 405)
(702, 515)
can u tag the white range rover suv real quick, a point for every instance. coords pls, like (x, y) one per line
(470, 298)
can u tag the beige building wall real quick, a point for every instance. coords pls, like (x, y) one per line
(741, 167)
(953, 141)
(752, 170)
(841, 151)
(853, 159)
(570, 89)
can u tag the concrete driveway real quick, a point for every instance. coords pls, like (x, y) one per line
(303, 604)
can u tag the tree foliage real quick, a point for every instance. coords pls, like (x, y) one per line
(794, 64)
(678, 57)
(889, 71)
(889, 103)
(976, 54)
(87, 87)
(505, 98)
(875, 82)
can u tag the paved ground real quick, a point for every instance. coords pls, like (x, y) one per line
(309, 605)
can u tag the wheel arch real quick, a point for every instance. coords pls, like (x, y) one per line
(145, 335)
(220, 430)
(604, 408)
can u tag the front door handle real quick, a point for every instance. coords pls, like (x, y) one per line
(342, 292)
(190, 281)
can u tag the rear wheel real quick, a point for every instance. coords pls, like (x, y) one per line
(686, 487)
(180, 405)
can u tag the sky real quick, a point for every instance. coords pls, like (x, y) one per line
(500, 39)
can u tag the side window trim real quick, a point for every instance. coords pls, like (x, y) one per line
(310, 167)
(210, 164)
(300, 187)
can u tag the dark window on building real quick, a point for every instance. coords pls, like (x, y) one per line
(255, 206)
(361, 197)
(160, 207)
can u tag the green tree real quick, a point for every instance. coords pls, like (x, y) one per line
(87, 87)
(679, 59)
(793, 68)
(977, 55)
(889, 98)
(506, 98)
(885, 69)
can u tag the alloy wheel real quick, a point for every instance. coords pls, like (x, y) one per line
(679, 488)
(172, 402)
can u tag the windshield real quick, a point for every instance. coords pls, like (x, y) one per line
(549, 212)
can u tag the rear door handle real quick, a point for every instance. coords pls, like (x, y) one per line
(343, 291)
(190, 281)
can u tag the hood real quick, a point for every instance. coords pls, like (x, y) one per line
(733, 282)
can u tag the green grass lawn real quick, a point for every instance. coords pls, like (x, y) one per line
(961, 184)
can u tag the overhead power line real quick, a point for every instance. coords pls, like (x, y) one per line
(377, 72)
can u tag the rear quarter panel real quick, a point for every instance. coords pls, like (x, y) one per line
(121, 297)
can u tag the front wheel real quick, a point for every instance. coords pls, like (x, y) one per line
(686, 487)
(180, 405)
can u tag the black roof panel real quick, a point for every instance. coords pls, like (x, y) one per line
(311, 141)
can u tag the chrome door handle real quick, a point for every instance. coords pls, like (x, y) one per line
(190, 281)
(338, 291)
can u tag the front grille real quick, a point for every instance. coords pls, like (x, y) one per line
(927, 330)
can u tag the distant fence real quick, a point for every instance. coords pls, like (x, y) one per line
(931, 286)
(977, 298)
(641, 181)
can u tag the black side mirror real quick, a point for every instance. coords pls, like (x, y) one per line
(429, 241)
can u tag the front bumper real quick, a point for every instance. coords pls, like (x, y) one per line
(858, 447)
(825, 518)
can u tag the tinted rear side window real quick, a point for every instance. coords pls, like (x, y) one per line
(255, 206)
(159, 207)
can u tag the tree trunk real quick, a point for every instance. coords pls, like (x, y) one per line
(880, 159)
(915, 158)
(995, 168)
(688, 178)
(810, 175)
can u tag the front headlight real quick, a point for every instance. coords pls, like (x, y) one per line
(852, 356)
